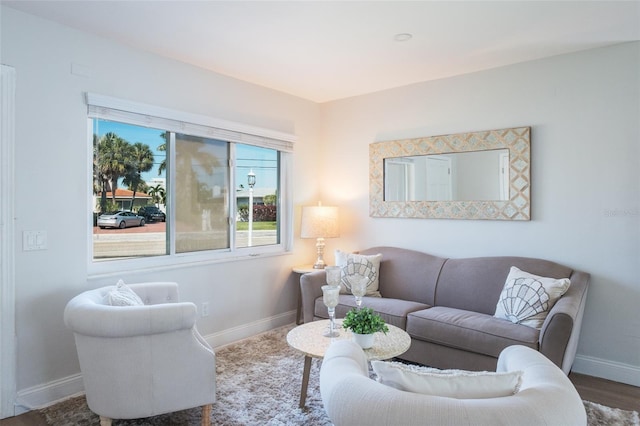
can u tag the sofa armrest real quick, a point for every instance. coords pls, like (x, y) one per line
(561, 329)
(310, 289)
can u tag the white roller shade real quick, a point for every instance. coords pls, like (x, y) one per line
(113, 109)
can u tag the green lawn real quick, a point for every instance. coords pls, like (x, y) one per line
(257, 226)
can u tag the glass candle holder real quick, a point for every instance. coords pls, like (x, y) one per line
(333, 275)
(359, 285)
(330, 295)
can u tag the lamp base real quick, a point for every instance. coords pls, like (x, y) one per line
(320, 249)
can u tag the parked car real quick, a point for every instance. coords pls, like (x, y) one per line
(152, 213)
(120, 219)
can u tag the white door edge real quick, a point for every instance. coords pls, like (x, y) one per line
(7, 243)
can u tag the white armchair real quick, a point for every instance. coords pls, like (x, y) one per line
(141, 361)
(350, 397)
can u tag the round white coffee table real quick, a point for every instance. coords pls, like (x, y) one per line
(308, 338)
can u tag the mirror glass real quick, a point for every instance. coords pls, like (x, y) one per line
(464, 176)
(477, 175)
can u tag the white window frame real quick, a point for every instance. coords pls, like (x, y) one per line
(124, 111)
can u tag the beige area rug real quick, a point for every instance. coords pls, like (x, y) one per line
(258, 383)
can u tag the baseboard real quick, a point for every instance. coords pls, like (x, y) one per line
(610, 370)
(231, 335)
(58, 390)
(49, 393)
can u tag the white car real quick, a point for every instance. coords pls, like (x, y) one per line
(119, 219)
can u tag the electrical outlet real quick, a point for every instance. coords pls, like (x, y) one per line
(205, 309)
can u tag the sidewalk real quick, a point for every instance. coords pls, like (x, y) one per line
(119, 244)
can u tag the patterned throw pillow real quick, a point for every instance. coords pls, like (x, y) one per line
(122, 295)
(527, 299)
(357, 266)
(447, 383)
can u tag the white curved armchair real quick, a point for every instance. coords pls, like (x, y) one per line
(350, 397)
(141, 361)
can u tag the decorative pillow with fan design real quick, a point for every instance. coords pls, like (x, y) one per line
(356, 266)
(527, 299)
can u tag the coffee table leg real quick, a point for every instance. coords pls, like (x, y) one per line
(305, 380)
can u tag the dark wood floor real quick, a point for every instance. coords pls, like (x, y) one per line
(592, 389)
(28, 419)
(606, 392)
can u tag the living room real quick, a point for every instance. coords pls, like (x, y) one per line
(582, 107)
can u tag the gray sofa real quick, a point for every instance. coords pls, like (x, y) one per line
(447, 307)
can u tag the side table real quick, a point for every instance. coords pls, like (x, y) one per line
(308, 339)
(301, 270)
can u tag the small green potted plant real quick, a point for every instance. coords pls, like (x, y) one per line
(363, 323)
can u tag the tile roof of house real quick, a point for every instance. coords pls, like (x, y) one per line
(125, 193)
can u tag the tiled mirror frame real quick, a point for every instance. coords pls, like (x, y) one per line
(517, 140)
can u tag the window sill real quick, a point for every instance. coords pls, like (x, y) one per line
(116, 268)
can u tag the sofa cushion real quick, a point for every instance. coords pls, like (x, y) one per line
(527, 298)
(470, 331)
(447, 383)
(408, 274)
(475, 284)
(392, 311)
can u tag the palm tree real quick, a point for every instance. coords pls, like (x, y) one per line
(142, 161)
(163, 148)
(100, 179)
(115, 159)
(158, 195)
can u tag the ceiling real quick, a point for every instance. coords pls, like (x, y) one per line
(328, 50)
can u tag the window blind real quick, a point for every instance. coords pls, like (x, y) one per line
(113, 109)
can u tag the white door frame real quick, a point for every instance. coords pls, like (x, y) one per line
(439, 160)
(7, 243)
(405, 183)
(504, 176)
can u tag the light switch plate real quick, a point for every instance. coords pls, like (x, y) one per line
(34, 240)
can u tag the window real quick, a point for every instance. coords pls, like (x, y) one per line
(170, 185)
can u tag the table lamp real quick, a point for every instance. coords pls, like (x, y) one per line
(319, 222)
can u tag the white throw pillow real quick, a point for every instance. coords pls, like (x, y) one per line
(527, 299)
(447, 383)
(359, 264)
(122, 295)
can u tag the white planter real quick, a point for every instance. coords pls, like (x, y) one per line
(364, 340)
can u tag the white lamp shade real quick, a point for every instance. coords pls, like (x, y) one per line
(319, 222)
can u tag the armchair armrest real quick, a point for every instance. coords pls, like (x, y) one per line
(350, 397)
(154, 293)
(91, 319)
(310, 289)
(561, 329)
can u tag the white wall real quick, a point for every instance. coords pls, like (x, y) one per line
(51, 189)
(584, 112)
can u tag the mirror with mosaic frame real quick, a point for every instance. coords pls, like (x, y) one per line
(397, 175)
